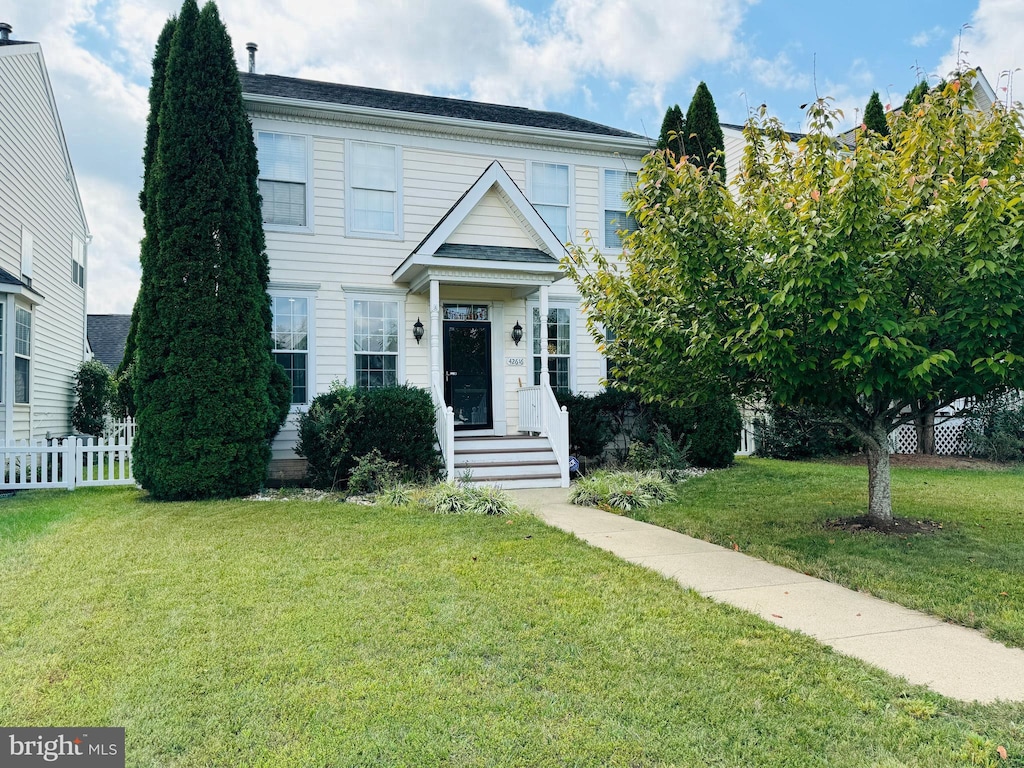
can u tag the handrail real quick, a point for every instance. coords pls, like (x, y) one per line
(444, 429)
(556, 425)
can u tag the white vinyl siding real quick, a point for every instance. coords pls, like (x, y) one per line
(38, 195)
(3, 392)
(283, 178)
(374, 189)
(291, 343)
(550, 195)
(616, 219)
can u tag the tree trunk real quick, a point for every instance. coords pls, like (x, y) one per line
(925, 427)
(879, 487)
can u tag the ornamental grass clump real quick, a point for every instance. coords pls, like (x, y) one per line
(452, 498)
(621, 491)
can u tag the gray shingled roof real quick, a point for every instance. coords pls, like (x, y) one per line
(493, 253)
(357, 96)
(8, 279)
(107, 335)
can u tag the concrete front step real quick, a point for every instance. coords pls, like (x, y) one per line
(516, 461)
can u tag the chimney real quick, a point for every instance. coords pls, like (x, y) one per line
(251, 48)
(5, 31)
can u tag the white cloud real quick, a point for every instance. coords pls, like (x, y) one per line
(927, 36)
(994, 42)
(116, 229)
(778, 73)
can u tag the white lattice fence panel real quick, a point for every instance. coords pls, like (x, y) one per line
(949, 439)
(903, 439)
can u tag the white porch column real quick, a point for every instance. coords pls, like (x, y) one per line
(435, 335)
(544, 375)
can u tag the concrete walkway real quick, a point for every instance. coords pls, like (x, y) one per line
(954, 661)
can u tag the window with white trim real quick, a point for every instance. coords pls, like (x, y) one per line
(77, 261)
(550, 196)
(559, 347)
(375, 342)
(283, 178)
(291, 343)
(616, 216)
(373, 187)
(22, 354)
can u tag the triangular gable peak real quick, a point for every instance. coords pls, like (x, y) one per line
(491, 234)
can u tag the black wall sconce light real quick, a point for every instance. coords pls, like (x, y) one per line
(417, 330)
(517, 333)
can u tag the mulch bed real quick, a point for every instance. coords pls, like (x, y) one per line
(900, 526)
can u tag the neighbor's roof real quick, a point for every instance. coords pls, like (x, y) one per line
(397, 101)
(107, 336)
(16, 42)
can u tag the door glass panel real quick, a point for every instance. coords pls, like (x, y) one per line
(468, 374)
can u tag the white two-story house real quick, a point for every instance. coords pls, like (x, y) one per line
(416, 239)
(43, 239)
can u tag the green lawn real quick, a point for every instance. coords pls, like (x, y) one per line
(323, 634)
(971, 572)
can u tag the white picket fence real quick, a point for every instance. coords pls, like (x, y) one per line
(70, 462)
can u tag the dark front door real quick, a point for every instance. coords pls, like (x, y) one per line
(467, 373)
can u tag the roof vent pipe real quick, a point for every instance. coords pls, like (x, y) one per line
(5, 31)
(251, 48)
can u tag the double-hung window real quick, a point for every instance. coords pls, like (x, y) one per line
(616, 217)
(22, 354)
(550, 196)
(373, 189)
(77, 261)
(375, 342)
(291, 343)
(283, 178)
(559, 347)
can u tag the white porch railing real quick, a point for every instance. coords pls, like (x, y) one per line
(444, 429)
(539, 412)
(69, 463)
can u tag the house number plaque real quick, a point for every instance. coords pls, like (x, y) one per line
(513, 362)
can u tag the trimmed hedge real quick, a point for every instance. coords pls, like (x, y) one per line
(347, 423)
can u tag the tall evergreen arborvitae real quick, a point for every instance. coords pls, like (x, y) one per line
(204, 367)
(673, 131)
(916, 95)
(874, 116)
(705, 143)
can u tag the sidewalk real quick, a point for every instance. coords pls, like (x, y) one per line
(952, 660)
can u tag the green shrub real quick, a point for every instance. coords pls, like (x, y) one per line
(372, 474)
(589, 431)
(802, 432)
(716, 433)
(996, 429)
(346, 423)
(93, 390)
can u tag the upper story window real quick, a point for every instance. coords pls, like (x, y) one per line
(77, 261)
(374, 192)
(291, 342)
(616, 218)
(22, 354)
(283, 178)
(550, 196)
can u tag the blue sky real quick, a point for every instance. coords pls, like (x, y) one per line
(619, 62)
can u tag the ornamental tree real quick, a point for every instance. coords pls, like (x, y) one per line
(204, 372)
(859, 283)
(705, 143)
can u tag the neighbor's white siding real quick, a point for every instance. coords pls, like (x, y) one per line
(37, 192)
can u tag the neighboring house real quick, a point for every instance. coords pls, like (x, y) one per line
(107, 336)
(43, 243)
(414, 238)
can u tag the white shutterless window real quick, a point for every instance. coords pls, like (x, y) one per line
(22, 355)
(283, 161)
(291, 342)
(616, 217)
(549, 190)
(374, 190)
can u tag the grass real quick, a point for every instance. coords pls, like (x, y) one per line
(326, 634)
(970, 572)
